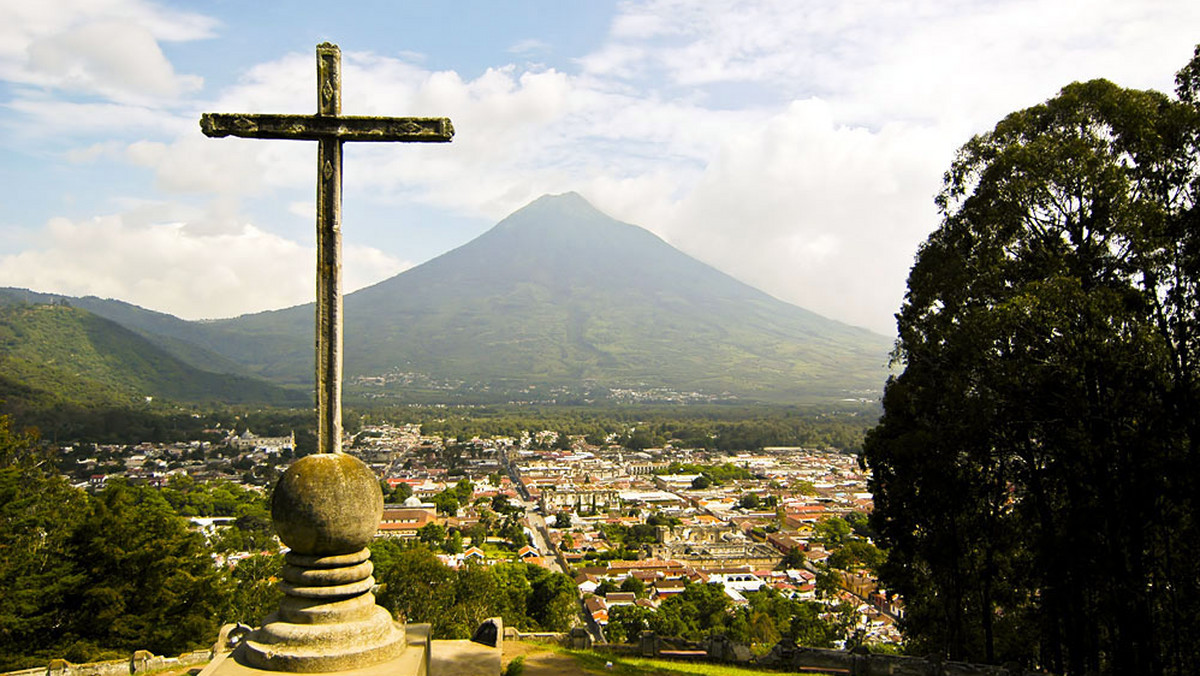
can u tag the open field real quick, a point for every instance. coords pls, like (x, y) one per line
(547, 660)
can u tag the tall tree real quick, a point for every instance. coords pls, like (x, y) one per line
(1035, 467)
(38, 512)
(255, 592)
(417, 587)
(149, 581)
(552, 599)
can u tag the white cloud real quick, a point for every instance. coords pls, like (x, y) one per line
(797, 145)
(49, 117)
(230, 167)
(302, 209)
(820, 214)
(889, 60)
(116, 60)
(105, 47)
(285, 85)
(506, 119)
(182, 268)
(108, 150)
(823, 200)
(529, 46)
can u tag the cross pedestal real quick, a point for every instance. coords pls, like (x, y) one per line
(326, 509)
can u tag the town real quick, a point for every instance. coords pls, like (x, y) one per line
(632, 527)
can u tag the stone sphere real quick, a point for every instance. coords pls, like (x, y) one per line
(327, 504)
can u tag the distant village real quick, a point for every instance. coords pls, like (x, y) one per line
(632, 527)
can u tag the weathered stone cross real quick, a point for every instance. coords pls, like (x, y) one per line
(330, 129)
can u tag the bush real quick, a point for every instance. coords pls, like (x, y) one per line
(516, 667)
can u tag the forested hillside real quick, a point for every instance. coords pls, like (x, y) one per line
(60, 356)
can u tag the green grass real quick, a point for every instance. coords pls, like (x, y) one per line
(635, 666)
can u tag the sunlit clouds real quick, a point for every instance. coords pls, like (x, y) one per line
(202, 269)
(794, 145)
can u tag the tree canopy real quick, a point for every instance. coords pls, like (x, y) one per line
(1035, 469)
(419, 587)
(82, 576)
(704, 609)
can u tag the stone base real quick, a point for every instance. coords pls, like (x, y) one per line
(284, 646)
(478, 657)
(413, 661)
(464, 658)
(422, 657)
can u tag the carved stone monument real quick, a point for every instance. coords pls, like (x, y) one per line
(326, 512)
(326, 507)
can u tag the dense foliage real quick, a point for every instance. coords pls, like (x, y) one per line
(419, 587)
(251, 531)
(704, 609)
(38, 514)
(721, 428)
(98, 422)
(717, 474)
(1036, 468)
(55, 355)
(89, 577)
(848, 542)
(83, 574)
(147, 581)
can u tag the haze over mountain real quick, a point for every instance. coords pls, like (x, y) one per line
(561, 295)
(557, 301)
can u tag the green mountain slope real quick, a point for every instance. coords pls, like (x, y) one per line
(184, 340)
(560, 295)
(59, 354)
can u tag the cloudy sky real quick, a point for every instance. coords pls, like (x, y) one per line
(796, 145)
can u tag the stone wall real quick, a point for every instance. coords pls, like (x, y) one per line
(140, 662)
(576, 639)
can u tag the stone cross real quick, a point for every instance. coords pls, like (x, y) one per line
(330, 129)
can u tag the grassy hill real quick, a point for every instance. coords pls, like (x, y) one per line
(59, 354)
(190, 342)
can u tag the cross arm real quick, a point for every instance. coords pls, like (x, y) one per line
(333, 127)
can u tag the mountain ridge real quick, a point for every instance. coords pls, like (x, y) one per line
(559, 292)
(55, 353)
(557, 299)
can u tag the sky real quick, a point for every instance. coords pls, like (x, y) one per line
(796, 145)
